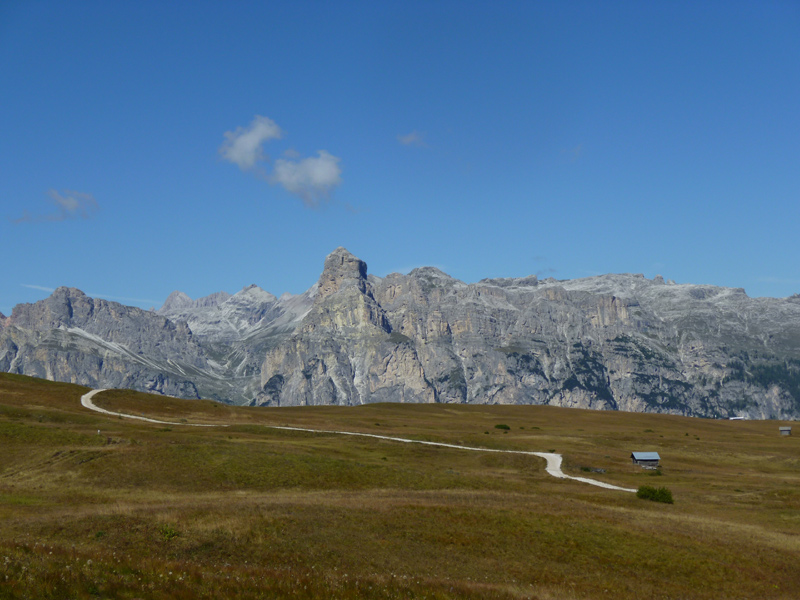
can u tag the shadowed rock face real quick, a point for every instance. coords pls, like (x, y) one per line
(609, 342)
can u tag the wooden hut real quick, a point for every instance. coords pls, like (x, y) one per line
(785, 430)
(645, 459)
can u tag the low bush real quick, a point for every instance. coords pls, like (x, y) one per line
(661, 494)
(168, 532)
(501, 426)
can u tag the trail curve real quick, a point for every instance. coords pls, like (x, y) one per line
(553, 467)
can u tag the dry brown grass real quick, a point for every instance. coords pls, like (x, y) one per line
(151, 511)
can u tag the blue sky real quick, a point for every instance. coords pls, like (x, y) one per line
(154, 146)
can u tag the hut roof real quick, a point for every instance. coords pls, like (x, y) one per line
(645, 456)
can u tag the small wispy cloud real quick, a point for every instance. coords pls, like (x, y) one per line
(311, 179)
(69, 204)
(41, 288)
(415, 138)
(243, 146)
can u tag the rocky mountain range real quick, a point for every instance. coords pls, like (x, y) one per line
(614, 342)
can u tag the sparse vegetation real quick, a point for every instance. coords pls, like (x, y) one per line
(398, 338)
(662, 494)
(167, 532)
(251, 512)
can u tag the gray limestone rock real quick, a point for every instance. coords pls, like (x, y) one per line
(617, 342)
(72, 337)
(175, 301)
(614, 342)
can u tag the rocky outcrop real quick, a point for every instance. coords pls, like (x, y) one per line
(177, 301)
(343, 351)
(618, 342)
(72, 337)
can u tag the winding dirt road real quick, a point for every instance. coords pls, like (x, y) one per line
(86, 401)
(553, 460)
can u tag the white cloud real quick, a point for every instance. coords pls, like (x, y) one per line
(415, 138)
(243, 146)
(310, 178)
(69, 205)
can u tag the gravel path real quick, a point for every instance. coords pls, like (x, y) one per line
(86, 401)
(553, 460)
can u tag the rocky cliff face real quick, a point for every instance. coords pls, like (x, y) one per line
(343, 351)
(236, 331)
(615, 342)
(71, 337)
(211, 348)
(618, 342)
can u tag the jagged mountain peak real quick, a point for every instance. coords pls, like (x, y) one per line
(64, 292)
(342, 270)
(253, 293)
(175, 301)
(428, 272)
(211, 300)
(178, 302)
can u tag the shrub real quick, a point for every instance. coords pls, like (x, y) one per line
(167, 532)
(661, 494)
(501, 426)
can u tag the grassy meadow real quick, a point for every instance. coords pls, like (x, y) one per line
(145, 510)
